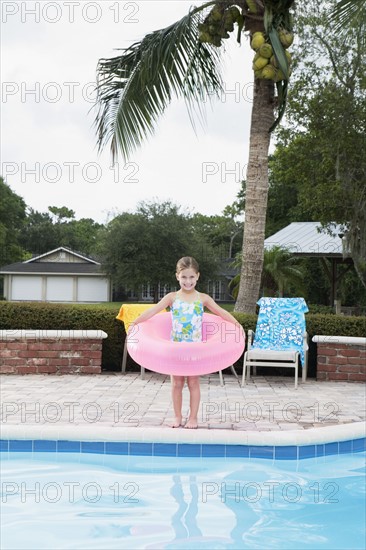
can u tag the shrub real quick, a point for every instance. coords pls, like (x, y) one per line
(335, 325)
(36, 315)
(316, 308)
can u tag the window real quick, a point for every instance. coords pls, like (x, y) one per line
(147, 293)
(162, 290)
(215, 289)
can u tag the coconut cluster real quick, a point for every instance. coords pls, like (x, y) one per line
(218, 24)
(265, 64)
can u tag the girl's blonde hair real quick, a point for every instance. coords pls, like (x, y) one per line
(187, 262)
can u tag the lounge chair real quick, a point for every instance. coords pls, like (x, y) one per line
(127, 314)
(280, 339)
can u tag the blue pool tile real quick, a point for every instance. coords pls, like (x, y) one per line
(4, 445)
(116, 448)
(331, 448)
(44, 446)
(264, 451)
(240, 451)
(345, 447)
(165, 449)
(92, 447)
(290, 452)
(320, 449)
(287, 452)
(307, 451)
(19, 445)
(137, 448)
(359, 445)
(186, 449)
(213, 450)
(65, 446)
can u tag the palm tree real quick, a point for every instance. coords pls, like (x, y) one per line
(280, 272)
(183, 59)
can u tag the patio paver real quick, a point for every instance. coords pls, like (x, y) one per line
(115, 400)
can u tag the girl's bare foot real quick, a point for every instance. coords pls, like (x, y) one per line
(177, 422)
(191, 424)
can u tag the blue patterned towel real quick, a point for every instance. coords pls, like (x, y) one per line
(281, 325)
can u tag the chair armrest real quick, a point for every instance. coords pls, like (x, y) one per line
(306, 354)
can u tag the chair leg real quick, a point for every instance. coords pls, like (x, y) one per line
(142, 372)
(124, 358)
(305, 368)
(304, 374)
(244, 369)
(296, 375)
(221, 378)
(234, 371)
(297, 370)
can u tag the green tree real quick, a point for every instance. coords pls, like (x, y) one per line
(144, 247)
(39, 234)
(281, 273)
(319, 167)
(12, 216)
(61, 213)
(42, 232)
(224, 232)
(184, 59)
(285, 177)
(80, 235)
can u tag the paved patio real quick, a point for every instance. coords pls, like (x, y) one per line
(124, 401)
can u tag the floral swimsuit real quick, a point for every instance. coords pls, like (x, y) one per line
(186, 320)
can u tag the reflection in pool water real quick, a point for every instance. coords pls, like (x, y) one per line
(74, 501)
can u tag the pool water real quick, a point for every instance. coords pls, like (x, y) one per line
(88, 501)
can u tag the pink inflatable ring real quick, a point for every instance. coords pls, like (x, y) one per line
(149, 345)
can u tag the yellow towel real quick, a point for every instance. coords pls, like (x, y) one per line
(129, 312)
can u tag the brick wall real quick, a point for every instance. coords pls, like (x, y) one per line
(341, 361)
(44, 354)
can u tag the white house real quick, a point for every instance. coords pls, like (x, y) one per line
(60, 275)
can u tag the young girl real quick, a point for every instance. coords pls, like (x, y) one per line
(187, 306)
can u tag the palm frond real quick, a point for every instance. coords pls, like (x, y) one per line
(273, 20)
(134, 89)
(346, 10)
(282, 87)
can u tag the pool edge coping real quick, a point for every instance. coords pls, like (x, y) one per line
(311, 436)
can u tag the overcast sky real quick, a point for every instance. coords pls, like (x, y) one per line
(49, 55)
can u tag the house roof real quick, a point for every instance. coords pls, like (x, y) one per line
(52, 268)
(39, 265)
(304, 239)
(64, 249)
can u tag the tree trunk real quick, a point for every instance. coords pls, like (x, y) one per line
(256, 196)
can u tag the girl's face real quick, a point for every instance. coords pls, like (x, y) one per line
(187, 279)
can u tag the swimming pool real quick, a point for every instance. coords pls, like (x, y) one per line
(88, 500)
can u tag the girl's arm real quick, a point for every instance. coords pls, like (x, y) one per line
(217, 310)
(163, 304)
